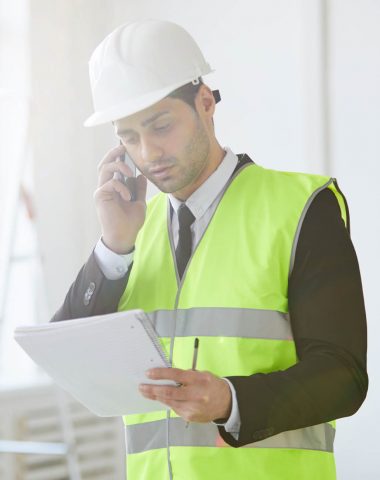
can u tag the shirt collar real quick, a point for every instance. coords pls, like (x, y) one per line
(200, 200)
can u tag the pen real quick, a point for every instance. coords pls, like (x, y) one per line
(195, 354)
(194, 364)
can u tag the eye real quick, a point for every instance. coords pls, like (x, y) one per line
(162, 127)
(130, 140)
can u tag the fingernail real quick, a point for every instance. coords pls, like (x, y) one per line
(149, 373)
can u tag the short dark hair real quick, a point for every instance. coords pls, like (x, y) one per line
(187, 92)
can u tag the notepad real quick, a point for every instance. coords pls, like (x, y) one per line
(99, 360)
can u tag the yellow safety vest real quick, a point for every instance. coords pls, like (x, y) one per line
(233, 296)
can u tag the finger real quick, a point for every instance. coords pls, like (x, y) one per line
(173, 404)
(181, 408)
(112, 155)
(176, 374)
(106, 172)
(141, 186)
(164, 392)
(111, 187)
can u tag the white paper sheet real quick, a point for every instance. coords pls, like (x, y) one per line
(99, 360)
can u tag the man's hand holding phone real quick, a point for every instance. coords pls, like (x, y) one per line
(120, 217)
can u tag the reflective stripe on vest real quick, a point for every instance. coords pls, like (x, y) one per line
(152, 435)
(216, 322)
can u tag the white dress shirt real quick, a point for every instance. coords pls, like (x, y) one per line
(202, 203)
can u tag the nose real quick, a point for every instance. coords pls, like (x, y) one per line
(150, 151)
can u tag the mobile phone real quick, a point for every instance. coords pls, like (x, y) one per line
(130, 182)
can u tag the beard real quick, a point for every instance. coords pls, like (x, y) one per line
(186, 169)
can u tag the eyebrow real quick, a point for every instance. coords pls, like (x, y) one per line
(145, 123)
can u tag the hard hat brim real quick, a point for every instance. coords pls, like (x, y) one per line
(131, 106)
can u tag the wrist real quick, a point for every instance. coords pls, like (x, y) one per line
(117, 247)
(226, 404)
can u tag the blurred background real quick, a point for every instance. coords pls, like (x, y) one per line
(300, 86)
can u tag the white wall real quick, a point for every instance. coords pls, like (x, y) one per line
(355, 95)
(63, 34)
(269, 68)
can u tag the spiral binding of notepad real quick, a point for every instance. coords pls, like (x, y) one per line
(148, 327)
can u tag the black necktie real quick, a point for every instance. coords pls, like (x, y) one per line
(183, 250)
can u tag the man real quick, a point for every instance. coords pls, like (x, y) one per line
(257, 264)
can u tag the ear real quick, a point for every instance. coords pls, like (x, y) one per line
(205, 102)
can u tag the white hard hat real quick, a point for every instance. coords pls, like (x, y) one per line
(139, 64)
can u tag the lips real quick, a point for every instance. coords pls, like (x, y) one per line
(160, 172)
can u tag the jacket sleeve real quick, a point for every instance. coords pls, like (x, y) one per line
(328, 321)
(91, 293)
